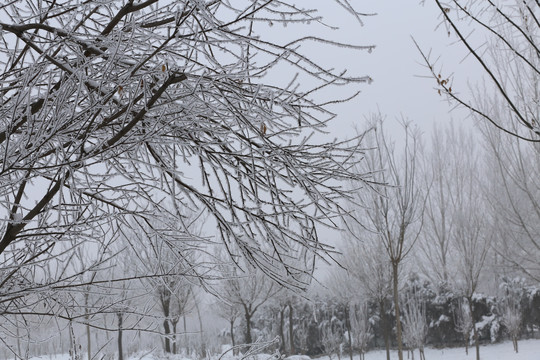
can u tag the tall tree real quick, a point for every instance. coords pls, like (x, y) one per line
(515, 179)
(393, 211)
(471, 234)
(435, 250)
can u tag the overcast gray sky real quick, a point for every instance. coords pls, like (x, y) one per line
(396, 65)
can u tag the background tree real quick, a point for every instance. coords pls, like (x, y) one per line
(332, 336)
(361, 326)
(231, 313)
(516, 208)
(464, 322)
(169, 264)
(392, 212)
(436, 250)
(510, 308)
(415, 325)
(369, 270)
(471, 234)
(345, 292)
(249, 291)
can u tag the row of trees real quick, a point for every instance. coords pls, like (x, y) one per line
(331, 323)
(460, 211)
(461, 214)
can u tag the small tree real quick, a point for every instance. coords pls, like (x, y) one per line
(464, 322)
(168, 266)
(361, 327)
(415, 327)
(344, 290)
(248, 291)
(510, 308)
(511, 319)
(331, 331)
(370, 273)
(231, 313)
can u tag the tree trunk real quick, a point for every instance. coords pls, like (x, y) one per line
(88, 337)
(203, 343)
(291, 329)
(87, 319)
(174, 346)
(235, 350)
(167, 329)
(248, 328)
(476, 344)
(18, 338)
(282, 329)
(515, 344)
(186, 342)
(348, 324)
(396, 306)
(165, 298)
(120, 348)
(384, 323)
(475, 331)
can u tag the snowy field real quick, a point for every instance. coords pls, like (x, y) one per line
(528, 350)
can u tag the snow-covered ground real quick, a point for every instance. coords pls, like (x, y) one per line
(528, 350)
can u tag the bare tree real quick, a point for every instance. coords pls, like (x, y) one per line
(361, 326)
(343, 290)
(510, 309)
(511, 319)
(505, 47)
(464, 322)
(172, 261)
(436, 250)
(108, 108)
(471, 234)
(393, 211)
(415, 325)
(248, 290)
(117, 88)
(515, 179)
(369, 271)
(229, 312)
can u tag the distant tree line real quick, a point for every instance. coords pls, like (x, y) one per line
(322, 325)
